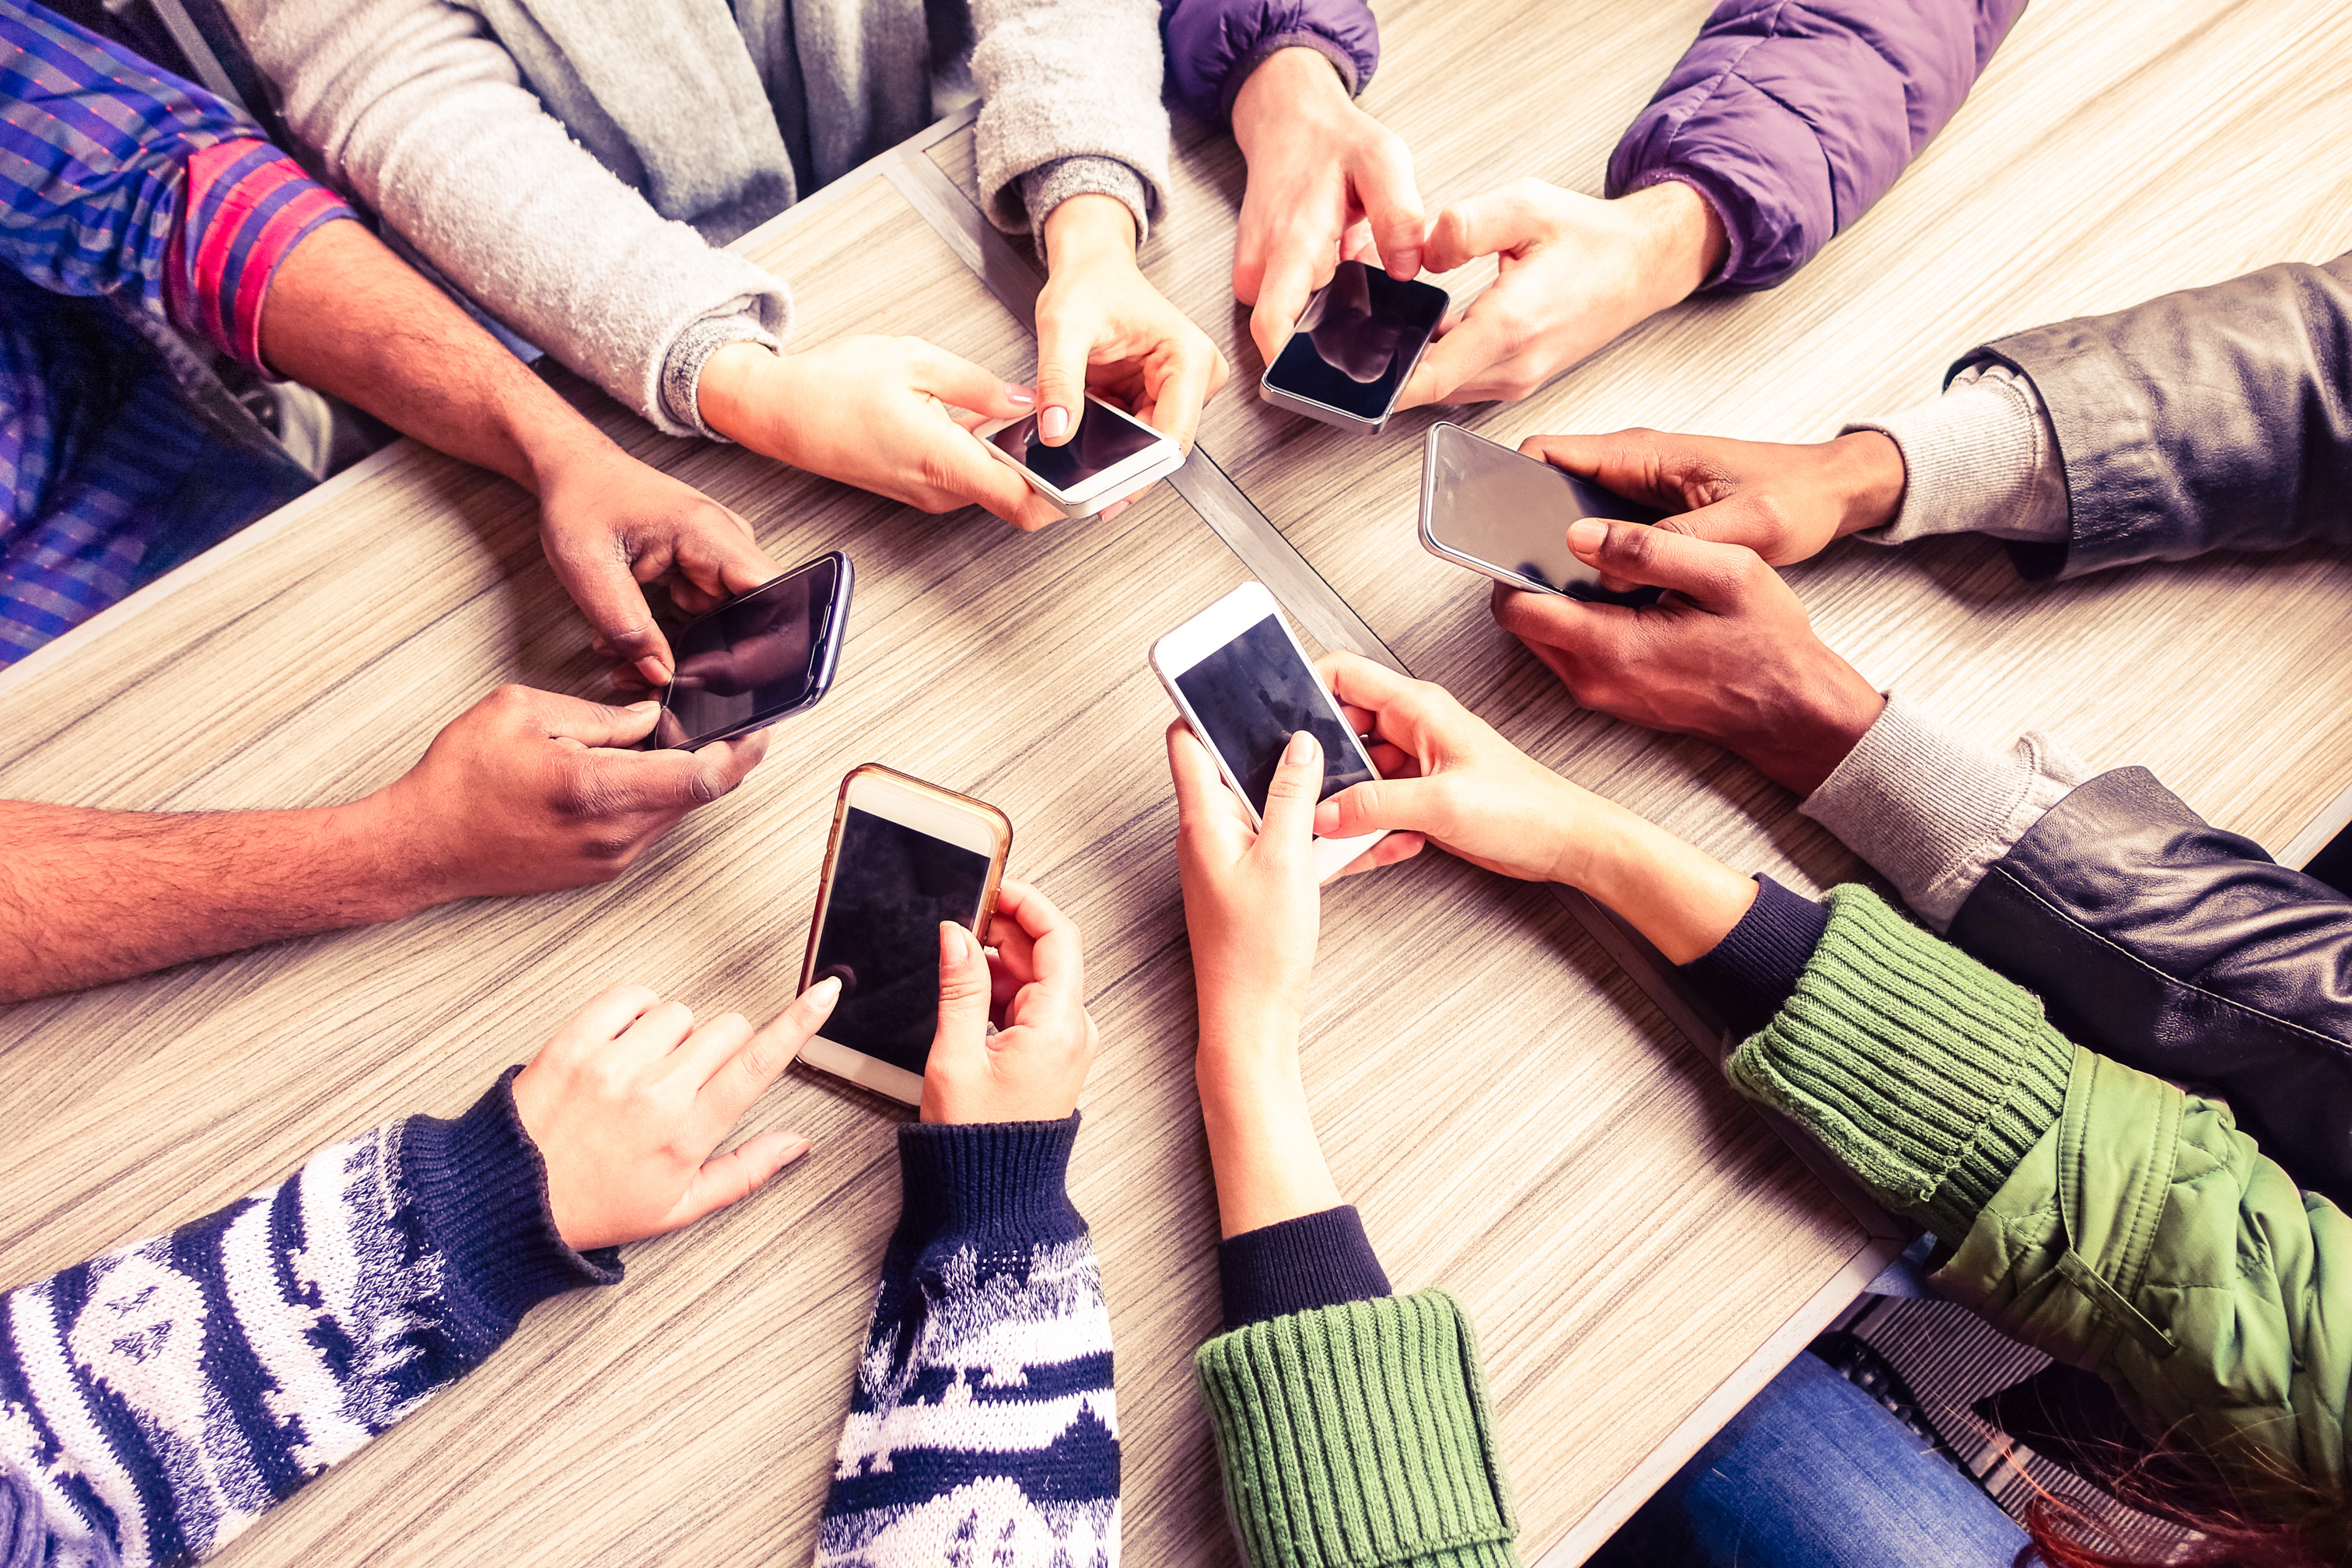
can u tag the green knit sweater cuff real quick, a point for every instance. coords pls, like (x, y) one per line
(1358, 1436)
(1927, 1075)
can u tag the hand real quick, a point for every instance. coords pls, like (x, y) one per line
(1575, 272)
(893, 415)
(527, 792)
(1102, 327)
(1033, 989)
(1784, 502)
(610, 523)
(628, 1099)
(1327, 183)
(1727, 654)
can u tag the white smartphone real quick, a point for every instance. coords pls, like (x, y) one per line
(1355, 346)
(1238, 675)
(1506, 514)
(1113, 455)
(904, 855)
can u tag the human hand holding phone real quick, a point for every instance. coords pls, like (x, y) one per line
(1032, 988)
(627, 1100)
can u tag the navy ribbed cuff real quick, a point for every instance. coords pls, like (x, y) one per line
(482, 1188)
(1753, 970)
(987, 1179)
(1316, 1260)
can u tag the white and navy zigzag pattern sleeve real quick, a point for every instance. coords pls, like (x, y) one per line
(982, 1429)
(156, 1401)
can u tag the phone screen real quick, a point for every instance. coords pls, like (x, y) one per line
(1105, 439)
(892, 886)
(762, 655)
(1512, 511)
(1253, 695)
(1357, 340)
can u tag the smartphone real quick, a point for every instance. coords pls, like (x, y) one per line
(1242, 683)
(759, 656)
(1501, 512)
(904, 855)
(1113, 455)
(1356, 342)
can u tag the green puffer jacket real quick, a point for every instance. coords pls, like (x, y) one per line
(2100, 1214)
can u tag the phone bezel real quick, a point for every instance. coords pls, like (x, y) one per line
(937, 812)
(1339, 418)
(1116, 483)
(827, 663)
(1204, 634)
(1447, 553)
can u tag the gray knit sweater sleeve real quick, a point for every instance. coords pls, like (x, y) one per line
(414, 108)
(1981, 458)
(1070, 93)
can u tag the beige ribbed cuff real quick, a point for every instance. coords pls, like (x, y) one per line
(1048, 186)
(1980, 459)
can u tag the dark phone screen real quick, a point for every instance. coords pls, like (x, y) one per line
(1104, 441)
(1512, 511)
(762, 655)
(1253, 695)
(892, 886)
(1357, 340)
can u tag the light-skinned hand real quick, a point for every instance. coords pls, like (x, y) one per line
(1784, 502)
(893, 415)
(629, 1099)
(1729, 653)
(1327, 183)
(527, 791)
(1575, 271)
(1103, 328)
(1033, 989)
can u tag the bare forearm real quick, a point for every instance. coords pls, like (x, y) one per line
(88, 897)
(1262, 1145)
(348, 317)
(1678, 895)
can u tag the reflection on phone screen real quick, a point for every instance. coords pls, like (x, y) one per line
(1104, 441)
(762, 656)
(1253, 695)
(891, 888)
(1357, 340)
(1512, 511)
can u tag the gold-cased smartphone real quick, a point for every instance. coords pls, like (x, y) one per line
(904, 855)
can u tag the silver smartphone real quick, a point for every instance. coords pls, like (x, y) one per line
(1355, 346)
(1501, 512)
(1113, 455)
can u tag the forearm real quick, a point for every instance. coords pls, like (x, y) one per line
(88, 897)
(1262, 1150)
(1681, 899)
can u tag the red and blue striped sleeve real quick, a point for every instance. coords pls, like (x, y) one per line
(118, 178)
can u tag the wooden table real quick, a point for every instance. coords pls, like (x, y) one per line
(1516, 1117)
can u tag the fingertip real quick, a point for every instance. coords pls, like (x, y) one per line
(1054, 424)
(1585, 537)
(820, 997)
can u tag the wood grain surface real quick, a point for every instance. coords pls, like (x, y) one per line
(1515, 1119)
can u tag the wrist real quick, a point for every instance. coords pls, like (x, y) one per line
(1835, 707)
(1684, 239)
(1870, 477)
(393, 867)
(1289, 84)
(1089, 228)
(736, 378)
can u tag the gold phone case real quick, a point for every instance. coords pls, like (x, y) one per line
(1000, 827)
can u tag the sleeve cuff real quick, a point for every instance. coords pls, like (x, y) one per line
(1753, 970)
(988, 1179)
(1298, 1266)
(1048, 185)
(1927, 1075)
(1930, 812)
(1341, 61)
(1981, 458)
(482, 1188)
(248, 206)
(681, 376)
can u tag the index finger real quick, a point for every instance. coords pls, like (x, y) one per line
(1054, 944)
(1360, 683)
(1292, 275)
(745, 1074)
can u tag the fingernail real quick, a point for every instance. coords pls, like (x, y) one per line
(1016, 393)
(823, 994)
(1053, 423)
(1301, 748)
(1587, 537)
(649, 705)
(651, 668)
(952, 942)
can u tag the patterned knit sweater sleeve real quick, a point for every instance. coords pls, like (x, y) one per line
(1360, 1432)
(156, 1401)
(981, 1426)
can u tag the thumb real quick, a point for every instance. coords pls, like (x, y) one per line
(1288, 820)
(1066, 336)
(593, 724)
(1701, 569)
(1391, 804)
(1385, 190)
(599, 582)
(735, 1175)
(963, 993)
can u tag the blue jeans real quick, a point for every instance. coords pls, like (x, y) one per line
(1816, 1474)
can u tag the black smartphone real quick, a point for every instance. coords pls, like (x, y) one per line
(759, 656)
(1501, 512)
(1357, 342)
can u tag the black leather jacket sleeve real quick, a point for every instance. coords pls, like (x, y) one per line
(2215, 418)
(2186, 952)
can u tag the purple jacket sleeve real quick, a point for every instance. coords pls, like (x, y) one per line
(1791, 119)
(1213, 45)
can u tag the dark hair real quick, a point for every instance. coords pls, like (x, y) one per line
(2294, 1523)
